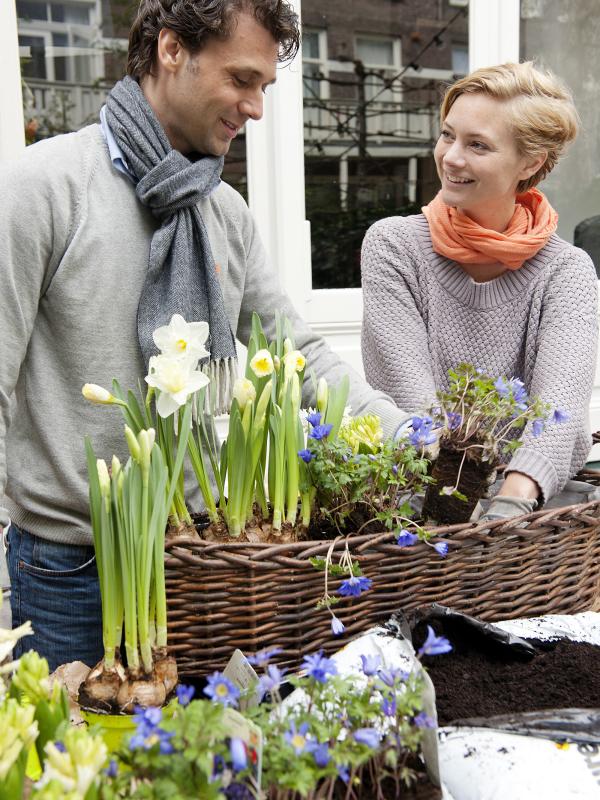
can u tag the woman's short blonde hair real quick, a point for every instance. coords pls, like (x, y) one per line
(540, 108)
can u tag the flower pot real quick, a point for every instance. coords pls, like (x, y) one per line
(114, 727)
(466, 473)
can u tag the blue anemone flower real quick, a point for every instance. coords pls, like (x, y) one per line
(368, 736)
(297, 737)
(184, 694)
(318, 667)
(337, 626)
(320, 431)
(355, 586)
(222, 690)
(423, 720)
(560, 416)
(441, 548)
(370, 665)
(537, 427)
(306, 455)
(263, 657)
(314, 419)
(319, 752)
(406, 538)
(271, 680)
(434, 645)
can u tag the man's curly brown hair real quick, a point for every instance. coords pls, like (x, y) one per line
(194, 21)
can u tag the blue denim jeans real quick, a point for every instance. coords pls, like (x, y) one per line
(56, 587)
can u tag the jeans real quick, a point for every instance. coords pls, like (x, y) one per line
(56, 587)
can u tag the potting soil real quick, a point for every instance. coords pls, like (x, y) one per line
(479, 679)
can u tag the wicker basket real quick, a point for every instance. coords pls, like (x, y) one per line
(224, 596)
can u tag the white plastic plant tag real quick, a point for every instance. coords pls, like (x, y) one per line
(241, 728)
(241, 673)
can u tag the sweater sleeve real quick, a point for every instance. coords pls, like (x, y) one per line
(263, 294)
(395, 345)
(34, 227)
(563, 367)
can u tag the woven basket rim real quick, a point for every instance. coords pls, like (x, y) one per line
(525, 526)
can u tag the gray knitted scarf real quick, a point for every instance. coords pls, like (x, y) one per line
(181, 274)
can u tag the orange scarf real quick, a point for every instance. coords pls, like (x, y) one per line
(459, 238)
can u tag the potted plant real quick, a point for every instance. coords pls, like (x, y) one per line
(478, 422)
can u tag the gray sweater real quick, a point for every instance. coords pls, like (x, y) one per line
(74, 245)
(423, 314)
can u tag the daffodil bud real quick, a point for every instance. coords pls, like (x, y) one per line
(287, 346)
(97, 394)
(276, 363)
(103, 477)
(146, 441)
(322, 395)
(132, 443)
(115, 468)
(244, 392)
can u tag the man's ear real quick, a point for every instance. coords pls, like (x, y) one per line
(533, 166)
(169, 51)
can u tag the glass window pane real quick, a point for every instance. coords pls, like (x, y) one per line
(563, 35)
(310, 44)
(67, 85)
(375, 52)
(75, 15)
(369, 134)
(33, 65)
(27, 10)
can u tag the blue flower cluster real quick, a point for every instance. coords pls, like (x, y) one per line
(406, 538)
(149, 733)
(422, 432)
(318, 431)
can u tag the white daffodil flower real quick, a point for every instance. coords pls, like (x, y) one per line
(244, 392)
(294, 361)
(175, 378)
(262, 364)
(97, 394)
(181, 338)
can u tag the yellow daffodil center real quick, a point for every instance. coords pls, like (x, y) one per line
(262, 364)
(181, 345)
(174, 378)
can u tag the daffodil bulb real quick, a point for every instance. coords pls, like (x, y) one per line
(181, 338)
(294, 361)
(175, 378)
(97, 394)
(262, 364)
(244, 392)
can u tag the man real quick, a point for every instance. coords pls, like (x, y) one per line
(104, 234)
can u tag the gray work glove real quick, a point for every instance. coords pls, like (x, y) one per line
(505, 507)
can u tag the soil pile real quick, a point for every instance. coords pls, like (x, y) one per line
(481, 679)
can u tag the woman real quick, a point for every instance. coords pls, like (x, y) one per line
(481, 276)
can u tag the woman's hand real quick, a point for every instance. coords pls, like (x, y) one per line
(517, 496)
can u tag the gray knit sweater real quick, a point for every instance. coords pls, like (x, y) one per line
(423, 314)
(74, 245)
